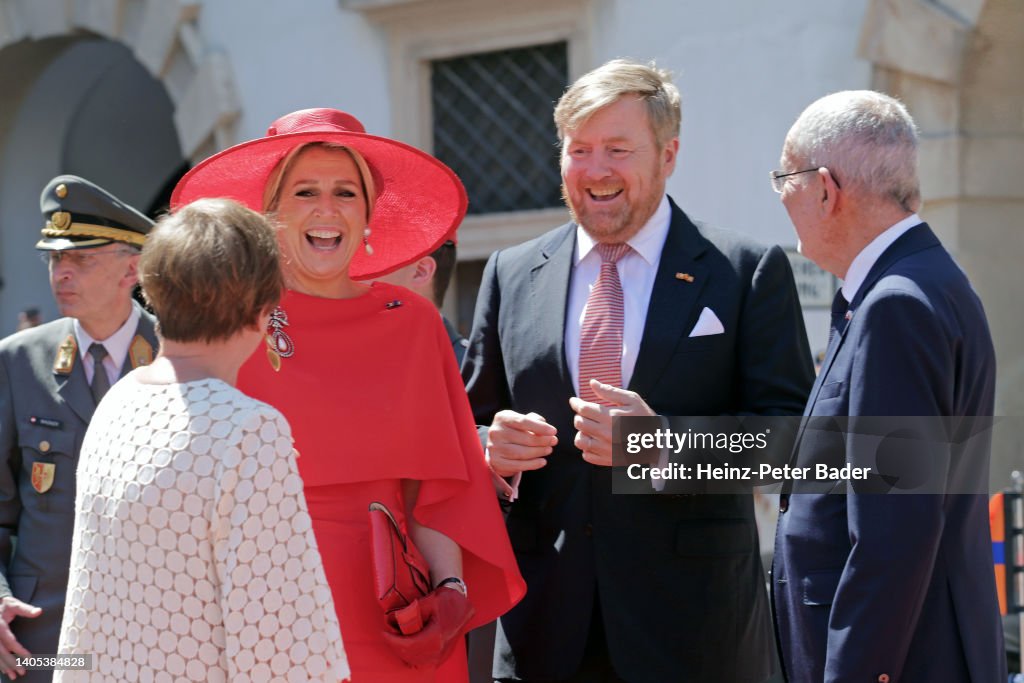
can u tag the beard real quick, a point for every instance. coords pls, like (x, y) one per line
(603, 223)
(621, 223)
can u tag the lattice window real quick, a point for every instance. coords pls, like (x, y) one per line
(493, 125)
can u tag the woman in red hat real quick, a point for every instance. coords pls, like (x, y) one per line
(365, 376)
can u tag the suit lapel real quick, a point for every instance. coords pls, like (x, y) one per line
(826, 365)
(672, 301)
(916, 239)
(549, 293)
(72, 387)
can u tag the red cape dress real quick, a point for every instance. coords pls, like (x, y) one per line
(373, 396)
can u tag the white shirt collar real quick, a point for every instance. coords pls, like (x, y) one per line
(647, 242)
(862, 263)
(116, 344)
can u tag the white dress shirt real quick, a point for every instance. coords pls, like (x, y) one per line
(862, 263)
(636, 269)
(116, 344)
(636, 273)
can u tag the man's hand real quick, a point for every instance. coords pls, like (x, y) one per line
(517, 442)
(594, 421)
(11, 607)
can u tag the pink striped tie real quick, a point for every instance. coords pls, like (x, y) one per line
(601, 334)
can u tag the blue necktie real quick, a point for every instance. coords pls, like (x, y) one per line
(839, 320)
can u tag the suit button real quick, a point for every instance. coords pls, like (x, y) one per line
(588, 529)
(44, 446)
(883, 678)
(783, 503)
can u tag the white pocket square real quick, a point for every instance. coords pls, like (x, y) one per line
(707, 324)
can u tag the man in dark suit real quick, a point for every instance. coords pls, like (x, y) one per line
(640, 588)
(51, 378)
(896, 587)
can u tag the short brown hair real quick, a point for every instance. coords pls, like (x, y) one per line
(272, 190)
(604, 86)
(444, 257)
(210, 270)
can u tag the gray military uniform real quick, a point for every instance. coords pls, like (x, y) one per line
(43, 418)
(45, 407)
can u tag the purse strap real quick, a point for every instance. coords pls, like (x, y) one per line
(381, 507)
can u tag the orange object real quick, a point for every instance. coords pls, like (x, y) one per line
(997, 521)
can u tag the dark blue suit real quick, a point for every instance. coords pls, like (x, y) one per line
(894, 587)
(678, 578)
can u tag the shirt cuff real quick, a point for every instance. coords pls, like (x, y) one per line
(508, 489)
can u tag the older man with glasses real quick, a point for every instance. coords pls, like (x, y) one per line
(51, 378)
(894, 587)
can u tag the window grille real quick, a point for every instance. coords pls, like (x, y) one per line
(492, 125)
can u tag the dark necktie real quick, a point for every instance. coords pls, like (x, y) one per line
(100, 381)
(839, 309)
(601, 332)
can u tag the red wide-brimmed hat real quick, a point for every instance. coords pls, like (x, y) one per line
(420, 201)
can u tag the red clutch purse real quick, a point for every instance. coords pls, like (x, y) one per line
(400, 574)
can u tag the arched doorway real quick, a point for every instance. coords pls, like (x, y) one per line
(90, 110)
(123, 93)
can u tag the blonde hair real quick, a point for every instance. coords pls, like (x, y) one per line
(607, 83)
(210, 270)
(272, 190)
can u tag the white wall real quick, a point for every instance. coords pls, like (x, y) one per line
(746, 69)
(288, 56)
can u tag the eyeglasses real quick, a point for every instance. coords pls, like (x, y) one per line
(777, 177)
(83, 260)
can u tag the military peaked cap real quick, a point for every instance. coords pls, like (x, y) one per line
(81, 215)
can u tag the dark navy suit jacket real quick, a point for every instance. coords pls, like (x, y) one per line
(679, 579)
(896, 587)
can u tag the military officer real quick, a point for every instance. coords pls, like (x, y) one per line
(51, 378)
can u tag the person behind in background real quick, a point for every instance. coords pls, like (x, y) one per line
(631, 309)
(893, 587)
(51, 378)
(429, 276)
(29, 317)
(193, 551)
(365, 375)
